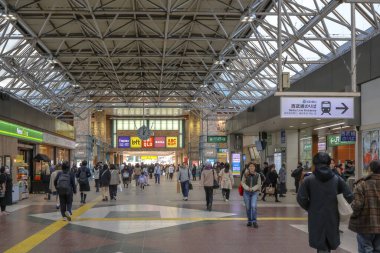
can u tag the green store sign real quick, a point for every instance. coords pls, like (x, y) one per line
(307, 146)
(216, 139)
(334, 141)
(20, 132)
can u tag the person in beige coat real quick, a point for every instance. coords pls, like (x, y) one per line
(226, 181)
(52, 188)
(207, 181)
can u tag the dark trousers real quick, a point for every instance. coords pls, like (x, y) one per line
(194, 177)
(185, 189)
(226, 193)
(157, 178)
(368, 243)
(171, 176)
(297, 184)
(282, 189)
(113, 191)
(66, 202)
(97, 185)
(209, 195)
(3, 204)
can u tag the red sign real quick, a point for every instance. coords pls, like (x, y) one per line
(148, 143)
(160, 142)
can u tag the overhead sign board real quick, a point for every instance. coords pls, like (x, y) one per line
(20, 132)
(171, 142)
(216, 139)
(136, 142)
(159, 142)
(348, 136)
(317, 107)
(334, 140)
(124, 142)
(148, 143)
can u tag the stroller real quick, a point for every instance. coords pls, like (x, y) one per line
(143, 180)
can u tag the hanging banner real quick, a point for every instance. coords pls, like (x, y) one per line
(236, 164)
(136, 142)
(124, 142)
(148, 143)
(159, 142)
(171, 142)
(20, 132)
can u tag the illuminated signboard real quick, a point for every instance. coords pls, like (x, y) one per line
(148, 143)
(136, 142)
(216, 139)
(149, 158)
(236, 163)
(159, 142)
(124, 142)
(171, 142)
(20, 132)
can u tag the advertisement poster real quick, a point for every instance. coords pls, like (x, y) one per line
(148, 143)
(160, 142)
(124, 142)
(136, 142)
(278, 161)
(236, 164)
(370, 149)
(171, 142)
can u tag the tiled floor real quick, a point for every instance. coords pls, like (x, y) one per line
(158, 220)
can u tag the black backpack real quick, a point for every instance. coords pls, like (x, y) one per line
(64, 184)
(82, 176)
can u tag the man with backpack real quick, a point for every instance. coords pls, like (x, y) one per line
(82, 175)
(297, 174)
(65, 185)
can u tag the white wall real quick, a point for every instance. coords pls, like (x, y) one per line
(292, 151)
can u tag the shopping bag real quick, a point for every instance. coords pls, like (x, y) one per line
(120, 188)
(270, 190)
(344, 208)
(190, 186)
(178, 187)
(241, 190)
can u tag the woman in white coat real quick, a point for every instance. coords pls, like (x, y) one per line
(226, 181)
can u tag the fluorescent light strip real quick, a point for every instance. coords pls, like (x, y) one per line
(338, 128)
(338, 124)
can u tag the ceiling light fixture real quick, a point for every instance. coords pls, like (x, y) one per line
(304, 123)
(338, 128)
(338, 124)
(291, 126)
(248, 18)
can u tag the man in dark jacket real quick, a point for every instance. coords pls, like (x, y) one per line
(297, 174)
(366, 206)
(83, 174)
(318, 196)
(66, 188)
(105, 179)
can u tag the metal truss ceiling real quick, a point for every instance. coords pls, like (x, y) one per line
(215, 56)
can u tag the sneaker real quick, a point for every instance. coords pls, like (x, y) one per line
(185, 199)
(64, 219)
(249, 224)
(255, 225)
(57, 206)
(68, 215)
(227, 200)
(277, 200)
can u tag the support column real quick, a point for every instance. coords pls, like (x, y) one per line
(194, 132)
(292, 156)
(83, 138)
(100, 133)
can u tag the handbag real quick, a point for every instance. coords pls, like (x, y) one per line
(270, 190)
(344, 208)
(190, 186)
(241, 190)
(216, 184)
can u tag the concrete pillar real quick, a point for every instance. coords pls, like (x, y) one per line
(292, 156)
(193, 132)
(83, 138)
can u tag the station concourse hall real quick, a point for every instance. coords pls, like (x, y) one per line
(165, 126)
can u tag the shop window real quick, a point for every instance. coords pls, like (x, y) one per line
(119, 124)
(175, 124)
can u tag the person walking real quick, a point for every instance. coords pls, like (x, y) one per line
(207, 181)
(184, 179)
(318, 196)
(137, 173)
(282, 181)
(251, 183)
(83, 174)
(5, 181)
(8, 187)
(171, 171)
(105, 178)
(226, 181)
(157, 173)
(125, 176)
(52, 187)
(194, 172)
(271, 180)
(65, 185)
(114, 181)
(96, 172)
(365, 221)
(297, 174)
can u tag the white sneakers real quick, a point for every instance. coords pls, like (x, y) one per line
(68, 215)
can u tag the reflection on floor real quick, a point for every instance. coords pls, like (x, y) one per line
(158, 220)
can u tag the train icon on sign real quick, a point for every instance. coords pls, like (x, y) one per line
(326, 107)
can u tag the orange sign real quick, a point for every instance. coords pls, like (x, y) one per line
(149, 143)
(171, 142)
